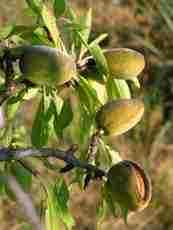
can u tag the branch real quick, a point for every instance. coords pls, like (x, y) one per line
(7, 154)
(23, 199)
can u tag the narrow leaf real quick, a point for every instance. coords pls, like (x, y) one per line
(34, 5)
(59, 7)
(58, 211)
(22, 175)
(42, 124)
(117, 89)
(50, 22)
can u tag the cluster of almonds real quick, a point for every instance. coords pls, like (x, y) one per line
(127, 183)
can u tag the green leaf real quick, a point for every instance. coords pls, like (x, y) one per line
(97, 53)
(109, 202)
(5, 31)
(125, 212)
(64, 118)
(30, 93)
(51, 217)
(58, 211)
(86, 22)
(22, 175)
(35, 5)
(59, 7)
(101, 212)
(99, 39)
(86, 122)
(39, 36)
(117, 89)
(87, 95)
(50, 22)
(42, 124)
(100, 59)
(62, 198)
(13, 104)
(136, 82)
(22, 30)
(100, 90)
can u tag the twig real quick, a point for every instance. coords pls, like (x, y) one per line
(93, 146)
(24, 200)
(67, 156)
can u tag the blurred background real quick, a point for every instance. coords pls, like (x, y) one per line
(146, 26)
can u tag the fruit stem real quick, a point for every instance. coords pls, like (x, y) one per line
(93, 146)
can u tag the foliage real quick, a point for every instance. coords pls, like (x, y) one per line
(66, 113)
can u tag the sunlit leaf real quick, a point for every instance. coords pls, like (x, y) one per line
(57, 211)
(117, 88)
(50, 22)
(87, 95)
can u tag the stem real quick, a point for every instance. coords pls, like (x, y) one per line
(93, 146)
(7, 154)
(23, 199)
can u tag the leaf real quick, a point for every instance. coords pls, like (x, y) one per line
(22, 30)
(99, 39)
(59, 7)
(87, 95)
(97, 54)
(101, 212)
(13, 104)
(86, 22)
(125, 212)
(51, 217)
(109, 202)
(100, 90)
(117, 89)
(50, 22)
(64, 118)
(5, 31)
(30, 93)
(86, 122)
(62, 198)
(39, 36)
(22, 175)
(136, 82)
(58, 211)
(100, 59)
(42, 123)
(35, 5)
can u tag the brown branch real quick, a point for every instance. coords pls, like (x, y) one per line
(7, 154)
